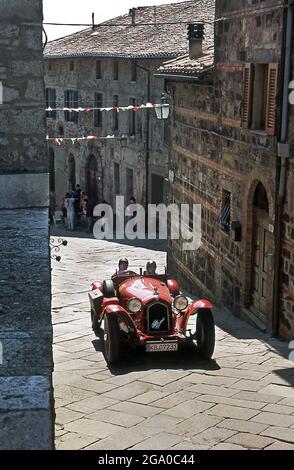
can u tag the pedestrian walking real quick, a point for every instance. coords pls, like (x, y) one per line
(70, 207)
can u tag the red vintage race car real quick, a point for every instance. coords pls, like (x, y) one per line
(149, 311)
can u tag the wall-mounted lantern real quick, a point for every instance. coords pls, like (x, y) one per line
(162, 110)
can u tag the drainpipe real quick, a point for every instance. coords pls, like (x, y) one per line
(283, 154)
(147, 157)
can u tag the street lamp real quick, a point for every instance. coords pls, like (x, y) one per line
(162, 110)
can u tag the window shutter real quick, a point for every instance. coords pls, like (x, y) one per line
(270, 123)
(247, 96)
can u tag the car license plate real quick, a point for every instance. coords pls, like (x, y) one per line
(158, 347)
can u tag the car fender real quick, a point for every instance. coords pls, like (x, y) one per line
(194, 308)
(97, 285)
(124, 318)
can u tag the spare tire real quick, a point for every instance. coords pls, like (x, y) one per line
(108, 288)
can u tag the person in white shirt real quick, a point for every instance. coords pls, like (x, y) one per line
(70, 207)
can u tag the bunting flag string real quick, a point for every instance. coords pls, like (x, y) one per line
(114, 108)
(63, 140)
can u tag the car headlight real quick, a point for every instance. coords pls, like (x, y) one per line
(134, 305)
(181, 302)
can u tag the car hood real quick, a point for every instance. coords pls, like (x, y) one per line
(145, 289)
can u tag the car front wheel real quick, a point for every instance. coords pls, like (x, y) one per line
(205, 333)
(111, 339)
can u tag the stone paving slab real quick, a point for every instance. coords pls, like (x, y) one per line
(91, 427)
(228, 411)
(212, 435)
(120, 418)
(242, 399)
(74, 441)
(163, 441)
(137, 409)
(243, 426)
(250, 441)
(121, 440)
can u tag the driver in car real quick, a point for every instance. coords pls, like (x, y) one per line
(151, 268)
(123, 265)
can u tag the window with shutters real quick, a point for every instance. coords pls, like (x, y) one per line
(115, 70)
(270, 120)
(132, 118)
(98, 112)
(98, 69)
(71, 100)
(133, 71)
(259, 97)
(51, 102)
(225, 214)
(115, 113)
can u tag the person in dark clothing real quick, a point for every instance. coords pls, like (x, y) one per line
(77, 205)
(89, 206)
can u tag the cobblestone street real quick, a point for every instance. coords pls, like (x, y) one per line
(243, 399)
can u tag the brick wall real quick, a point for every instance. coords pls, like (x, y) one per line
(212, 152)
(287, 254)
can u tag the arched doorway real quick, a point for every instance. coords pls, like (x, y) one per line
(71, 173)
(94, 179)
(51, 171)
(260, 254)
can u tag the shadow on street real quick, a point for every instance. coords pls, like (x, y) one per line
(137, 360)
(155, 245)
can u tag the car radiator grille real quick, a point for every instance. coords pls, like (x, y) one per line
(158, 318)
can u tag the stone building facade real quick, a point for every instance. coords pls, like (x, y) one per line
(111, 167)
(225, 129)
(26, 364)
(287, 224)
(109, 65)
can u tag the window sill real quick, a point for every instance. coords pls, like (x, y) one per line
(259, 132)
(225, 232)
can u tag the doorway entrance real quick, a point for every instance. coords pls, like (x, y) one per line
(71, 173)
(157, 185)
(260, 255)
(94, 179)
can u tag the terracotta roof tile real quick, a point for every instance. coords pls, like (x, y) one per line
(140, 41)
(186, 66)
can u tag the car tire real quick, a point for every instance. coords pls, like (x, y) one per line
(205, 334)
(108, 289)
(96, 324)
(111, 339)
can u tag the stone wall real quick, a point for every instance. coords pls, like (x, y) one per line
(211, 151)
(26, 399)
(287, 262)
(83, 79)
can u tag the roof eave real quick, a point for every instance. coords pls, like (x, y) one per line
(112, 56)
(176, 76)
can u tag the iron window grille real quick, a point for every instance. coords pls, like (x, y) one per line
(225, 214)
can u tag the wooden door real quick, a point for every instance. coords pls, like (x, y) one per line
(261, 256)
